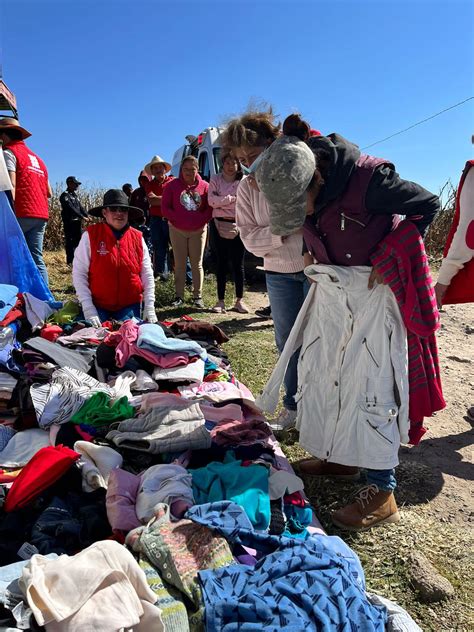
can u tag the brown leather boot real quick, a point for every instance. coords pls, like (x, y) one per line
(315, 467)
(371, 507)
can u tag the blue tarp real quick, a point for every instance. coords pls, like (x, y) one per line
(16, 263)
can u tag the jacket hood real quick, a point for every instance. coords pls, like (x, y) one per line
(342, 156)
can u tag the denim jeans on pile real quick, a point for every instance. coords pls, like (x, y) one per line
(287, 293)
(384, 479)
(33, 230)
(121, 314)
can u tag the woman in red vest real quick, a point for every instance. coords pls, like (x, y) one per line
(456, 275)
(112, 271)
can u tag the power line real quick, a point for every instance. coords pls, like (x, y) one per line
(419, 123)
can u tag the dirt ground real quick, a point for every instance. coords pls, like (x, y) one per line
(447, 448)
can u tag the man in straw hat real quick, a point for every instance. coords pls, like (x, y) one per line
(112, 271)
(157, 168)
(30, 187)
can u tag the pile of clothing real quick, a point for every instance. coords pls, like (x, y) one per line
(142, 489)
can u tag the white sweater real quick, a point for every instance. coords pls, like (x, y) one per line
(253, 221)
(459, 253)
(80, 278)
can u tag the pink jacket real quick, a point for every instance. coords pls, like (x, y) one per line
(222, 196)
(253, 220)
(186, 206)
(121, 499)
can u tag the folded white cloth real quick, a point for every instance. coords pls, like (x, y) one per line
(122, 384)
(144, 382)
(96, 463)
(101, 589)
(23, 446)
(193, 372)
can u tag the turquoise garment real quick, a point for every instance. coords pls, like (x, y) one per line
(246, 486)
(298, 518)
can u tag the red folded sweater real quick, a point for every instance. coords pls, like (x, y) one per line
(42, 470)
(401, 259)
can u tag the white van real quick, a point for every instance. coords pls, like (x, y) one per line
(206, 148)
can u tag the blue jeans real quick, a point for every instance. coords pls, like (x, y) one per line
(121, 314)
(384, 479)
(33, 230)
(189, 273)
(287, 293)
(160, 236)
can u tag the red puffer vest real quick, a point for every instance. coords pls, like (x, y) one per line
(345, 233)
(114, 272)
(31, 191)
(461, 288)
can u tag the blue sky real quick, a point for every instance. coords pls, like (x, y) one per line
(105, 84)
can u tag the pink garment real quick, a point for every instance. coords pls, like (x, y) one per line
(124, 341)
(186, 206)
(229, 412)
(87, 334)
(150, 400)
(241, 433)
(219, 392)
(222, 196)
(121, 498)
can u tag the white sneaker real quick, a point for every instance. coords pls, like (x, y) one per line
(285, 420)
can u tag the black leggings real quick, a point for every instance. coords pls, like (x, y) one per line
(225, 251)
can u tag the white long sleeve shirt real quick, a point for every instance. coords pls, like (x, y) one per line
(459, 252)
(80, 278)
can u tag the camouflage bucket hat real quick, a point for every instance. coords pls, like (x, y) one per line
(283, 177)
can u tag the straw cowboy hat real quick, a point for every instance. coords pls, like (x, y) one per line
(117, 198)
(157, 160)
(8, 122)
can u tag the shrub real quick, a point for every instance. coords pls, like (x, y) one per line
(439, 229)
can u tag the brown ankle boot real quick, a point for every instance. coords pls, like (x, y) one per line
(315, 467)
(371, 507)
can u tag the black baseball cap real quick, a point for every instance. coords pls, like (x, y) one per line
(72, 179)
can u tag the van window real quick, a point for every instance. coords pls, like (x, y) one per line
(217, 159)
(204, 166)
